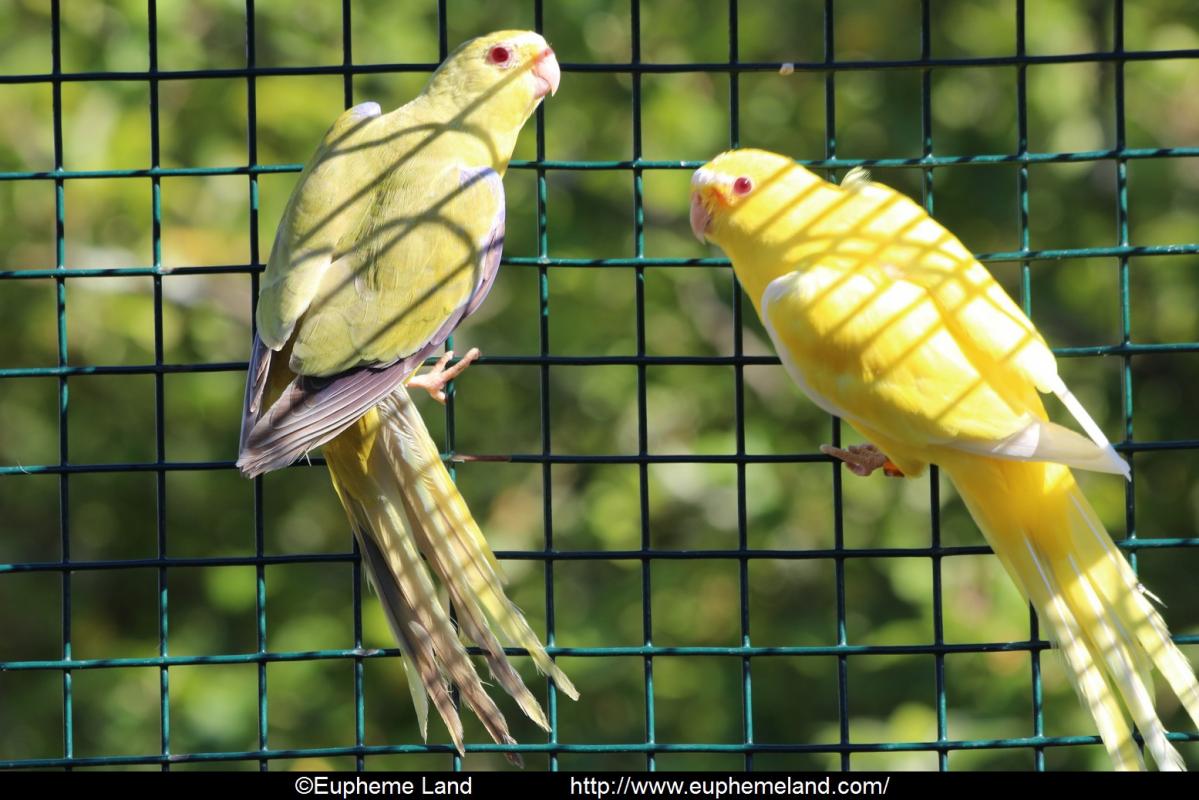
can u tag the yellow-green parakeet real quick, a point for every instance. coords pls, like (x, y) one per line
(886, 320)
(391, 237)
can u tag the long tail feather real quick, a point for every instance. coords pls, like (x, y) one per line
(1086, 675)
(453, 543)
(1054, 546)
(1148, 625)
(409, 517)
(397, 611)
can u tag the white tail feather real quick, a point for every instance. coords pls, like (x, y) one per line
(1149, 626)
(1084, 673)
(1050, 540)
(1123, 655)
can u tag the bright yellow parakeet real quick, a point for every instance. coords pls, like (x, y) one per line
(886, 320)
(391, 237)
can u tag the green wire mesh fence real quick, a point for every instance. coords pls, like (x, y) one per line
(755, 559)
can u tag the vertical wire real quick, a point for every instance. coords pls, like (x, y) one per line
(1038, 698)
(543, 300)
(160, 478)
(443, 35)
(60, 265)
(830, 152)
(1125, 310)
(259, 535)
(347, 63)
(642, 402)
(934, 477)
(442, 51)
(747, 704)
(1022, 172)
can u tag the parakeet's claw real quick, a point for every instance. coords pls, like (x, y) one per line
(863, 459)
(434, 380)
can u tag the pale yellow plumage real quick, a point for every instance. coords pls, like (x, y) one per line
(885, 319)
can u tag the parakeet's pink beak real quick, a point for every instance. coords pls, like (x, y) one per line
(701, 218)
(547, 73)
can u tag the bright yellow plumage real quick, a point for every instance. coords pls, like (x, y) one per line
(885, 319)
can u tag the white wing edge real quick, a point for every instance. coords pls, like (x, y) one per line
(776, 290)
(855, 179)
(1084, 419)
(366, 110)
(1047, 441)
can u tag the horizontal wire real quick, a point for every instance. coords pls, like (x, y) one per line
(640, 67)
(1140, 543)
(617, 651)
(628, 651)
(921, 162)
(1057, 254)
(521, 458)
(558, 748)
(1160, 348)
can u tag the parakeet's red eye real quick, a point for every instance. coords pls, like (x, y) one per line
(499, 55)
(742, 186)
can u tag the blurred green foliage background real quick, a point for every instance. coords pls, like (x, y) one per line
(593, 409)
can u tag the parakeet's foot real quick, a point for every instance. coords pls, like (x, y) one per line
(435, 379)
(863, 459)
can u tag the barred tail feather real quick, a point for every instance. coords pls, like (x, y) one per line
(1054, 546)
(409, 518)
(424, 676)
(397, 611)
(418, 620)
(454, 544)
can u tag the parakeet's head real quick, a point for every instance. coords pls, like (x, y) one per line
(738, 193)
(503, 75)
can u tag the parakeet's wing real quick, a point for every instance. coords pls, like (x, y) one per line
(990, 330)
(425, 245)
(1001, 339)
(401, 287)
(877, 349)
(256, 381)
(323, 206)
